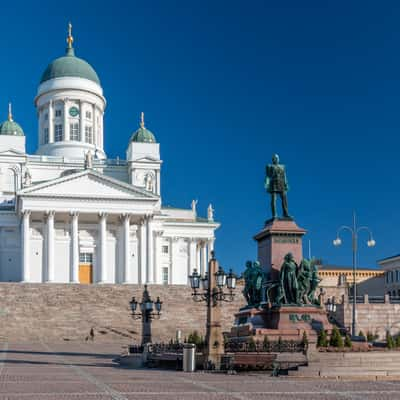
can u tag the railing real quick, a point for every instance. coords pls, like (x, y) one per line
(375, 299)
(80, 161)
(135, 349)
(284, 346)
(159, 348)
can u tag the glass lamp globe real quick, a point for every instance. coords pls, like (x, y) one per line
(194, 280)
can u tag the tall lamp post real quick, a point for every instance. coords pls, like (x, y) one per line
(213, 294)
(354, 230)
(147, 313)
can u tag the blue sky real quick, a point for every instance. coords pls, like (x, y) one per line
(224, 85)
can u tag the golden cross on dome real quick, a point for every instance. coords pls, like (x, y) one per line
(10, 117)
(142, 119)
(70, 39)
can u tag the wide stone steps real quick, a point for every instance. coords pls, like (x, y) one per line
(351, 365)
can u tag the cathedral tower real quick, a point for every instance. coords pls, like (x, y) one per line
(70, 107)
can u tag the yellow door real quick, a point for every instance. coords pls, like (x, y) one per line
(85, 273)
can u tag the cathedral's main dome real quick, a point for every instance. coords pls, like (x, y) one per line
(70, 65)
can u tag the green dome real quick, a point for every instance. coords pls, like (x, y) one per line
(10, 127)
(69, 65)
(143, 135)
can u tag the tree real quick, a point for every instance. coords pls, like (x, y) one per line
(347, 341)
(266, 343)
(252, 344)
(336, 338)
(322, 340)
(389, 340)
(304, 340)
(362, 336)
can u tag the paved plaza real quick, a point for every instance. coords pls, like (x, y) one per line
(86, 371)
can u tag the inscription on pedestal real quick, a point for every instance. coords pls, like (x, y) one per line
(300, 318)
(286, 239)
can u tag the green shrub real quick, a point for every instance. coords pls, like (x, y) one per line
(336, 338)
(362, 336)
(397, 341)
(252, 344)
(347, 341)
(370, 336)
(304, 340)
(195, 338)
(390, 343)
(322, 340)
(266, 343)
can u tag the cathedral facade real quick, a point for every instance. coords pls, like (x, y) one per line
(69, 214)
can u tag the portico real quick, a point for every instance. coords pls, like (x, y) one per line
(115, 244)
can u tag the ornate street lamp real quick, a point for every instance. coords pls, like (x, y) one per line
(213, 293)
(146, 306)
(354, 230)
(218, 294)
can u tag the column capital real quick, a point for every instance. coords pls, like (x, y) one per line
(103, 215)
(74, 214)
(175, 238)
(49, 213)
(26, 213)
(158, 233)
(125, 216)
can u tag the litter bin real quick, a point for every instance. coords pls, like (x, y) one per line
(189, 357)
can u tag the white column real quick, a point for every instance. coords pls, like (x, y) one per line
(174, 255)
(51, 122)
(150, 252)
(50, 246)
(103, 247)
(74, 273)
(210, 247)
(157, 257)
(25, 245)
(192, 256)
(82, 122)
(198, 256)
(143, 252)
(94, 133)
(158, 182)
(65, 115)
(127, 276)
(204, 258)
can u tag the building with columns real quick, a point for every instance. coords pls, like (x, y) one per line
(70, 214)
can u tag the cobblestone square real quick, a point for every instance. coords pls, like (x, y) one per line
(86, 371)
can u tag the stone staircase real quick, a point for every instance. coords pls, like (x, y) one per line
(354, 365)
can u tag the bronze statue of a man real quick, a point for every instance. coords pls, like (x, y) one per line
(276, 183)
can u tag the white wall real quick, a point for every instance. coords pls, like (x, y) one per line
(9, 254)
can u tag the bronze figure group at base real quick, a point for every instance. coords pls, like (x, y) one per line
(297, 284)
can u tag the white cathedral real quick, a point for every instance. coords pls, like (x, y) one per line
(69, 214)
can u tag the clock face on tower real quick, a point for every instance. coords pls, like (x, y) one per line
(73, 112)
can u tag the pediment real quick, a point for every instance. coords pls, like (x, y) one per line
(147, 158)
(87, 184)
(11, 152)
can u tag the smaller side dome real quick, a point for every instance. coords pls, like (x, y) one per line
(10, 127)
(143, 135)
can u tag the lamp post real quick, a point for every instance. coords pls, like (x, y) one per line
(147, 313)
(354, 230)
(213, 294)
(331, 306)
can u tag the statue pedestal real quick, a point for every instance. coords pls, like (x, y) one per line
(279, 237)
(285, 322)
